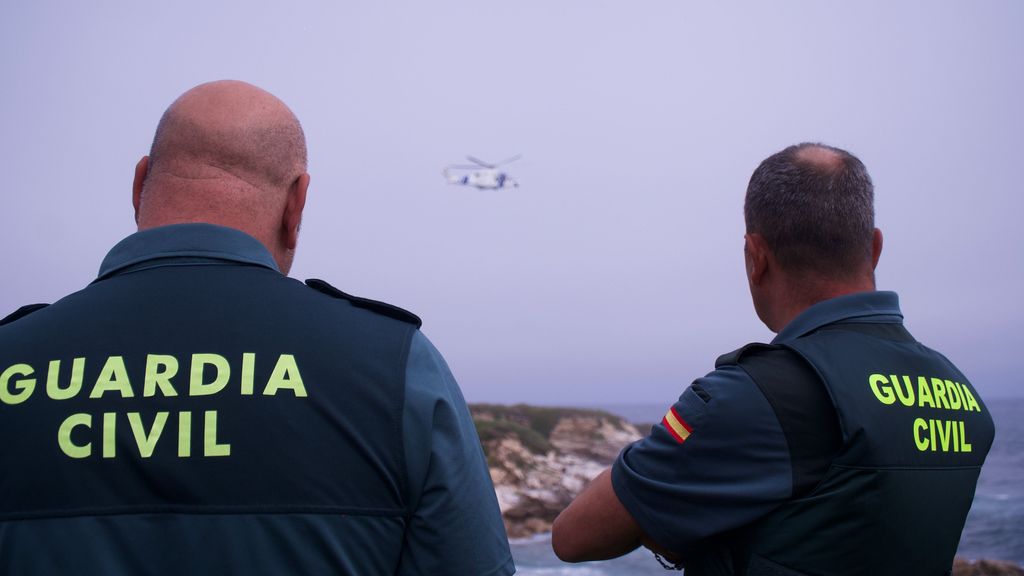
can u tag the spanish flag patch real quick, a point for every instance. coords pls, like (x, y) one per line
(676, 426)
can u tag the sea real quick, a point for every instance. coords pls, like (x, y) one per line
(994, 528)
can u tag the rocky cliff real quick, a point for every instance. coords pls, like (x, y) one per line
(541, 458)
(962, 567)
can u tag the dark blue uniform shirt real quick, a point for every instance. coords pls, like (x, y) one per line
(445, 520)
(720, 459)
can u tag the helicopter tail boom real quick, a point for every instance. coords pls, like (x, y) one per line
(451, 179)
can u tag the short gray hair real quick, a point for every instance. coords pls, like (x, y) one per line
(816, 214)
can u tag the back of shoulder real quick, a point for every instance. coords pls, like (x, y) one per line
(21, 313)
(381, 308)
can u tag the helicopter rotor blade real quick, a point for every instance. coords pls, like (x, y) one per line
(463, 166)
(480, 162)
(508, 160)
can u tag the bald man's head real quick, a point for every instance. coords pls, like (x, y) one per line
(226, 153)
(232, 127)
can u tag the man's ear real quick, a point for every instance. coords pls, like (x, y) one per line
(293, 208)
(876, 248)
(756, 255)
(141, 170)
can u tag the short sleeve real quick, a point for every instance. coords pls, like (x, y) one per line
(717, 461)
(455, 526)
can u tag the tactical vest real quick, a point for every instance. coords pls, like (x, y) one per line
(203, 419)
(894, 500)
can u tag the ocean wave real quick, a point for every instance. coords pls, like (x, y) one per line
(541, 537)
(562, 571)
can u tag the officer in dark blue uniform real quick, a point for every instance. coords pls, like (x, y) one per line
(196, 411)
(843, 447)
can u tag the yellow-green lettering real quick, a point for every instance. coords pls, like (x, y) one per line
(880, 386)
(906, 396)
(147, 442)
(920, 426)
(21, 389)
(969, 402)
(286, 375)
(222, 370)
(109, 435)
(184, 434)
(924, 394)
(160, 368)
(964, 445)
(944, 434)
(248, 372)
(53, 389)
(953, 391)
(939, 388)
(113, 378)
(64, 436)
(210, 445)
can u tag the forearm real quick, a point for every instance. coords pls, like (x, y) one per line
(595, 526)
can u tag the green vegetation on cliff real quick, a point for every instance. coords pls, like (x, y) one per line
(494, 430)
(532, 425)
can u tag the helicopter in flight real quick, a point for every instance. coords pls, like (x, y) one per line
(483, 175)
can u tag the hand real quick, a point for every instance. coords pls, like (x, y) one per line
(660, 550)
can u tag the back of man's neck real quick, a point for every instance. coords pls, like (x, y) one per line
(800, 293)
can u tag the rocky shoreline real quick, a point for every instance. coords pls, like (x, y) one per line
(540, 458)
(963, 567)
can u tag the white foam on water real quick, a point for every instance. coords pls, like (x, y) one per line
(540, 537)
(563, 571)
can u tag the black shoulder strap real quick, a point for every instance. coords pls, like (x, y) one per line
(22, 312)
(802, 405)
(382, 308)
(734, 356)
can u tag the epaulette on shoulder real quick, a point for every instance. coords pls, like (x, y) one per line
(22, 312)
(382, 308)
(734, 356)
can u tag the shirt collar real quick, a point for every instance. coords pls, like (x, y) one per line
(188, 241)
(880, 307)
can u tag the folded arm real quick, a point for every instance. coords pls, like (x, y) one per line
(595, 526)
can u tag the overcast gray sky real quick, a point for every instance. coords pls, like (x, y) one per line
(614, 273)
